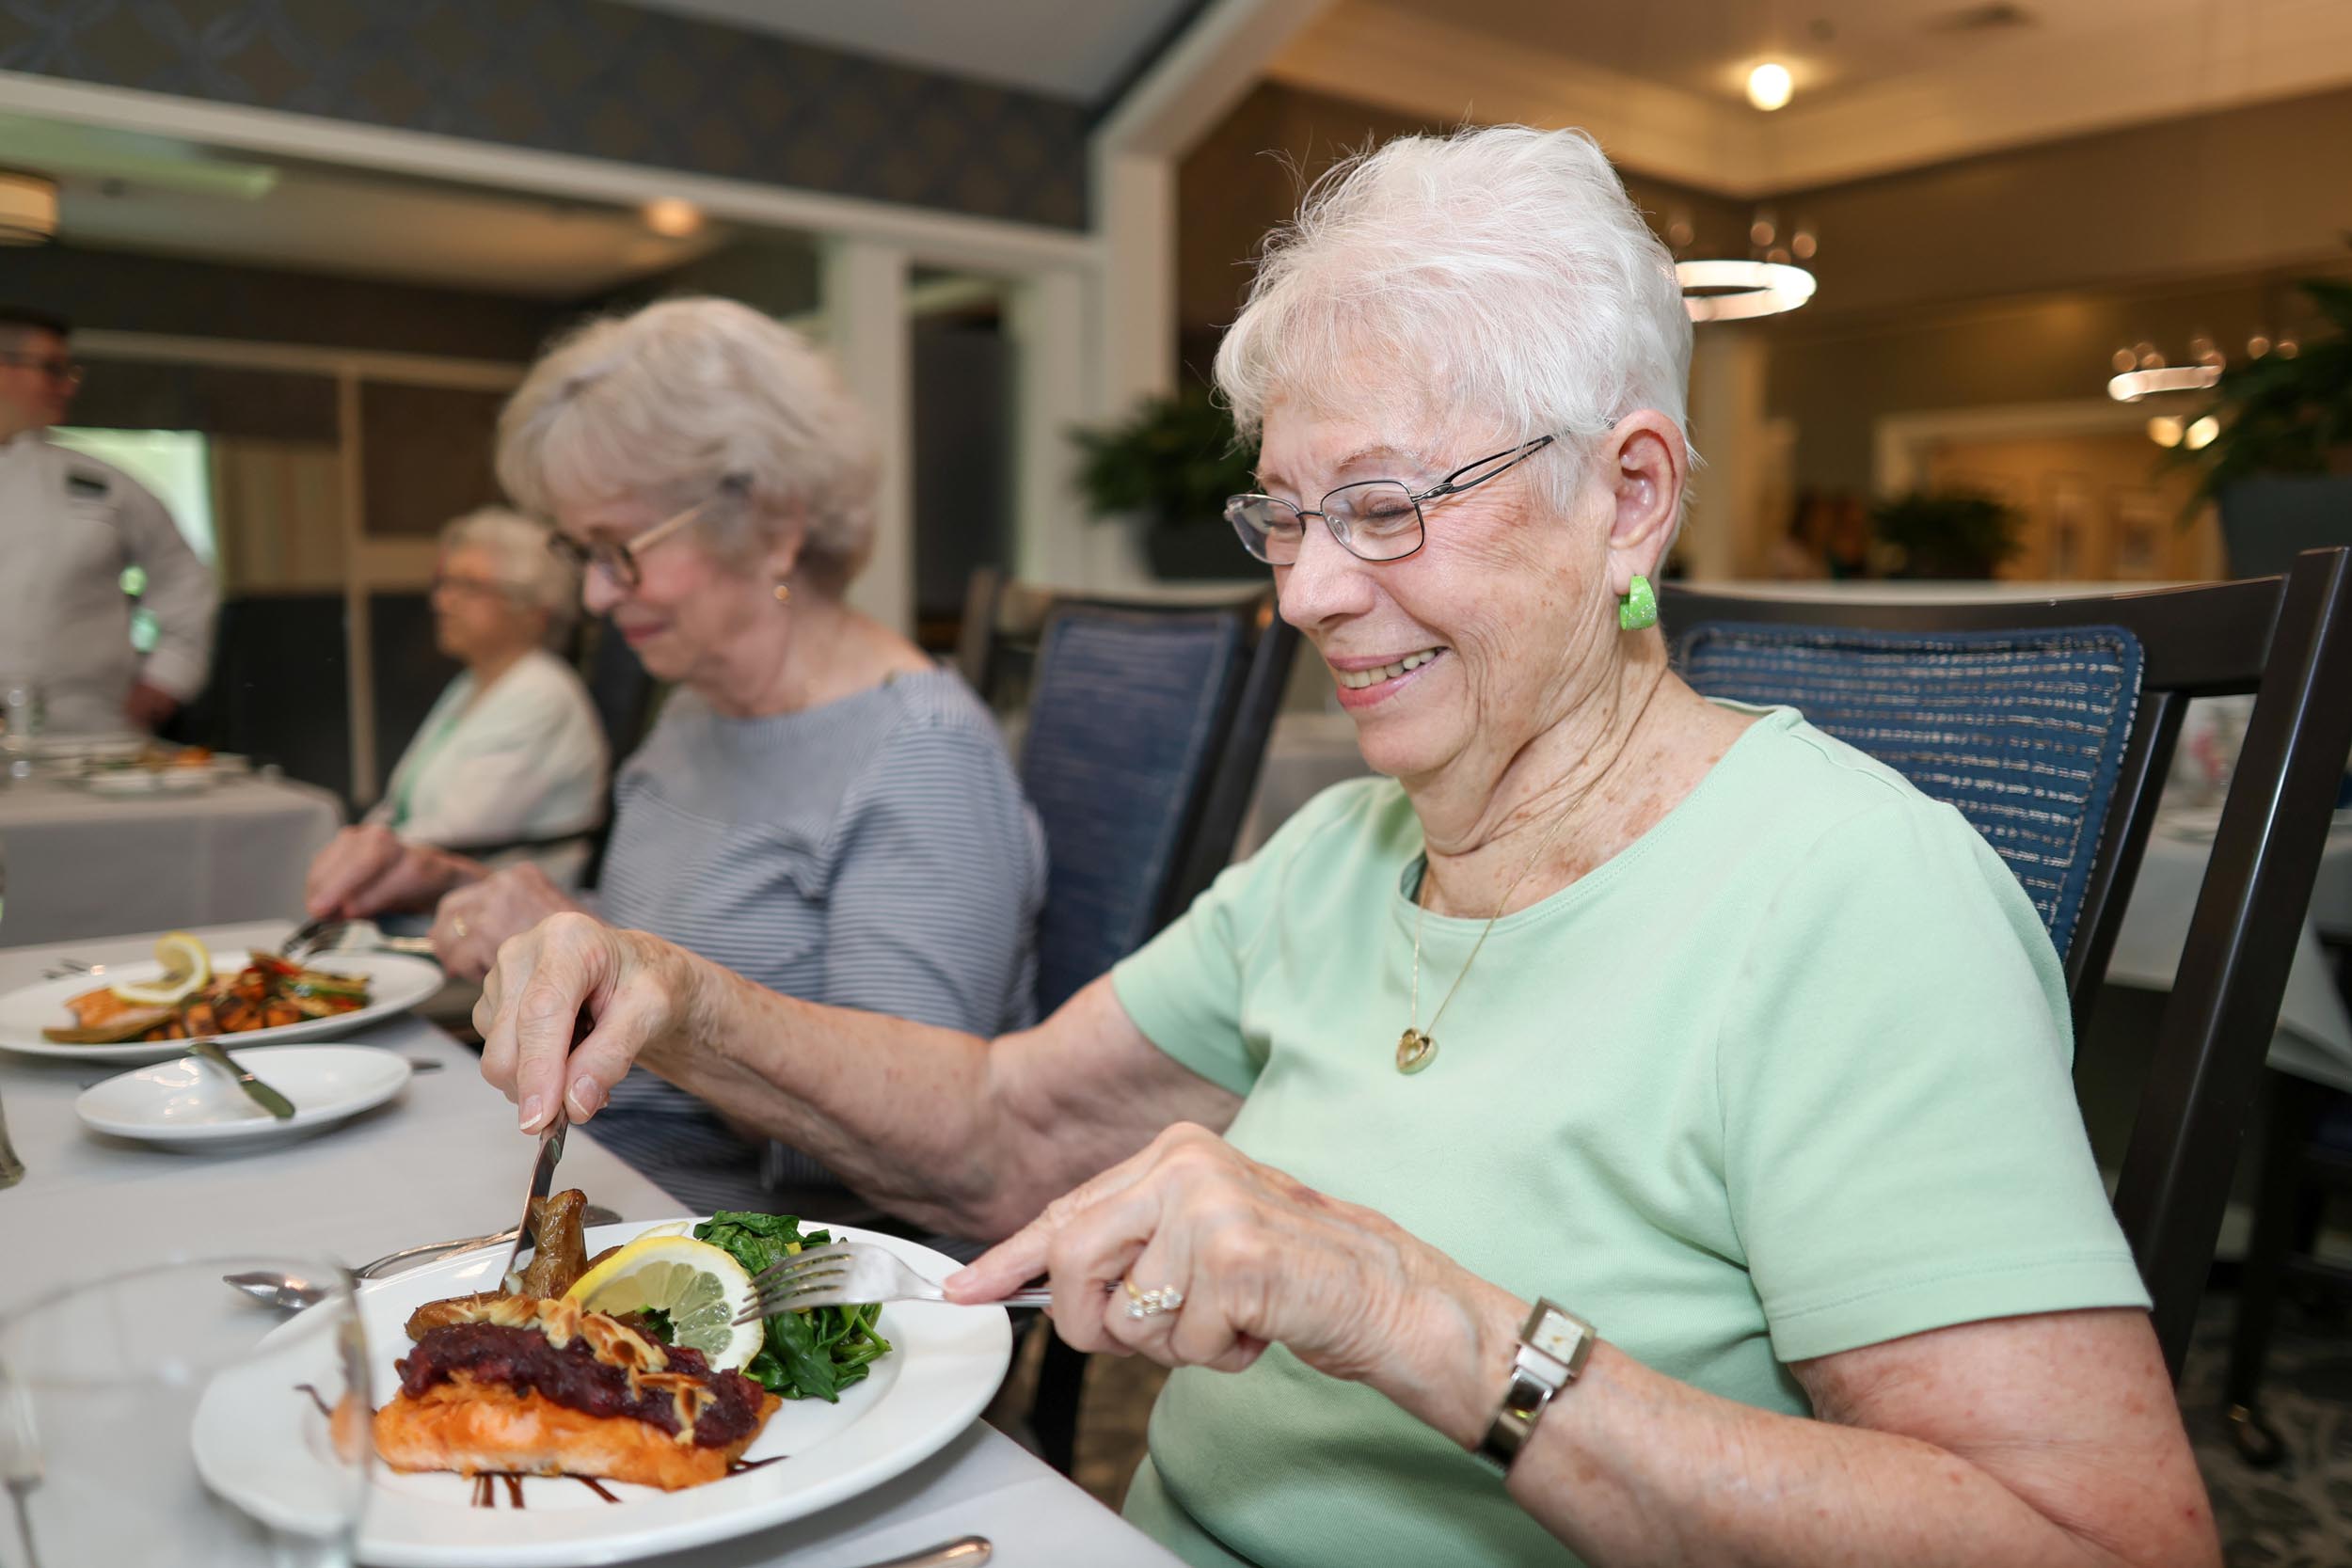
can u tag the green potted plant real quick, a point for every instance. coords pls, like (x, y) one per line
(2281, 465)
(1172, 463)
(1947, 533)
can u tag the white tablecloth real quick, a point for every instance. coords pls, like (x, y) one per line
(80, 865)
(443, 1160)
(1310, 751)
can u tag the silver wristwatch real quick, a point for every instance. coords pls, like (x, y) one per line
(1554, 1348)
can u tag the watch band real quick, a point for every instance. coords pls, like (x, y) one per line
(1553, 1347)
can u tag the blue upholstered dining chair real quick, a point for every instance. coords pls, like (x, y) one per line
(1146, 725)
(2050, 724)
(1130, 710)
(2023, 731)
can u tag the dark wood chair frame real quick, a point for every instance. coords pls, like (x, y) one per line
(2287, 641)
(996, 613)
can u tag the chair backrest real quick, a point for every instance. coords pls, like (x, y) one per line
(2287, 641)
(618, 686)
(1146, 725)
(2023, 731)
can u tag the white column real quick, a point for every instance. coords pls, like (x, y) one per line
(1045, 320)
(1723, 536)
(1135, 196)
(863, 288)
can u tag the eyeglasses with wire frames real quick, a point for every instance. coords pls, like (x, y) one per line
(1373, 519)
(50, 365)
(618, 558)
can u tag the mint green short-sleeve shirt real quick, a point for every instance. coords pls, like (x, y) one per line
(1787, 1076)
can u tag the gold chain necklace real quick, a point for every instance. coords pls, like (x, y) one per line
(1417, 1048)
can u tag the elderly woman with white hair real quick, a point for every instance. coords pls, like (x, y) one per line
(1637, 1130)
(821, 809)
(511, 757)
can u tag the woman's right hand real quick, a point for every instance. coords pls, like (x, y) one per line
(570, 968)
(368, 869)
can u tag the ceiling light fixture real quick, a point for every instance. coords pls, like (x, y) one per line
(672, 217)
(1735, 291)
(1765, 282)
(2140, 369)
(1769, 85)
(28, 208)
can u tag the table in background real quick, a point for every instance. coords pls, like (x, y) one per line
(446, 1160)
(81, 864)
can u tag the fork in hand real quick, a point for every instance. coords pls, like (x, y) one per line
(323, 935)
(853, 1274)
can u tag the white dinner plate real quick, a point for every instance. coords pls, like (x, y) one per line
(143, 781)
(192, 1104)
(396, 984)
(88, 748)
(256, 1440)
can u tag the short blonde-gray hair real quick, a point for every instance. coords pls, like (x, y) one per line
(533, 574)
(672, 404)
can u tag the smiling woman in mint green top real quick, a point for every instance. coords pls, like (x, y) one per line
(1610, 1012)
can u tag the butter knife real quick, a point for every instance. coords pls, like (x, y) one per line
(263, 1095)
(542, 1183)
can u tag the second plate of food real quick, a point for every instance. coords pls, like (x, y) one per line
(389, 984)
(944, 1365)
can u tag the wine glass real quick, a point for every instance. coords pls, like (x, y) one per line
(158, 1416)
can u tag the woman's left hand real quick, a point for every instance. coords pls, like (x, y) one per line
(473, 921)
(1259, 1259)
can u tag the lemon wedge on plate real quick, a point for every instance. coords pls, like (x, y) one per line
(701, 1287)
(187, 969)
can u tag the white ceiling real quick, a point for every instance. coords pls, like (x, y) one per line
(1078, 49)
(1881, 85)
(128, 191)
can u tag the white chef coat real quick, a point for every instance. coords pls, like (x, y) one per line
(524, 760)
(69, 525)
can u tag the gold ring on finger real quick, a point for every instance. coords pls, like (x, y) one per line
(1150, 1303)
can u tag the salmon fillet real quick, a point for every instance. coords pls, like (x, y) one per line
(472, 1427)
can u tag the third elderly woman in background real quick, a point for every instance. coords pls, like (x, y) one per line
(1653, 1096)
(511, 755)
(819, 809)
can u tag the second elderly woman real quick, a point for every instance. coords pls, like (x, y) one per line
(821, 808)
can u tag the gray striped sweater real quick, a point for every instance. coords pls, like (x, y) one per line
(874, 853)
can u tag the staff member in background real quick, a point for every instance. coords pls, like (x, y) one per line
(511, 757)
(69, 526)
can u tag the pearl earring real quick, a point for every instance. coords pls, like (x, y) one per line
(783, 592)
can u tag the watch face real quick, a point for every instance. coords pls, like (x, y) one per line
(1558, 1334)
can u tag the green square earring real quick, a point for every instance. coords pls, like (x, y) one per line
(1639, 608)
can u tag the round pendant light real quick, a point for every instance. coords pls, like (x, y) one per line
(1734, 290)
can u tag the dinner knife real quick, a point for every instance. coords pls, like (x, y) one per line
(263, 1095)
(542, 1182)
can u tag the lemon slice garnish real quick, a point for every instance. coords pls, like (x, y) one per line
(187, 969)
(701, 1287)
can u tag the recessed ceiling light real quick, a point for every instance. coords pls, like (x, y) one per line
(1770, 84)
(673, 219)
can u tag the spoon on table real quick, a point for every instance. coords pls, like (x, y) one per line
(292, 1293)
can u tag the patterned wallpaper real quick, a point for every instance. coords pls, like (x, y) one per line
(592, 78)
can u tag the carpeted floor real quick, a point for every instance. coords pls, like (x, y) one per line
(2297, 1515)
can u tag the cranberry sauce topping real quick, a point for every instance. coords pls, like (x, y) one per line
(526, 1361)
